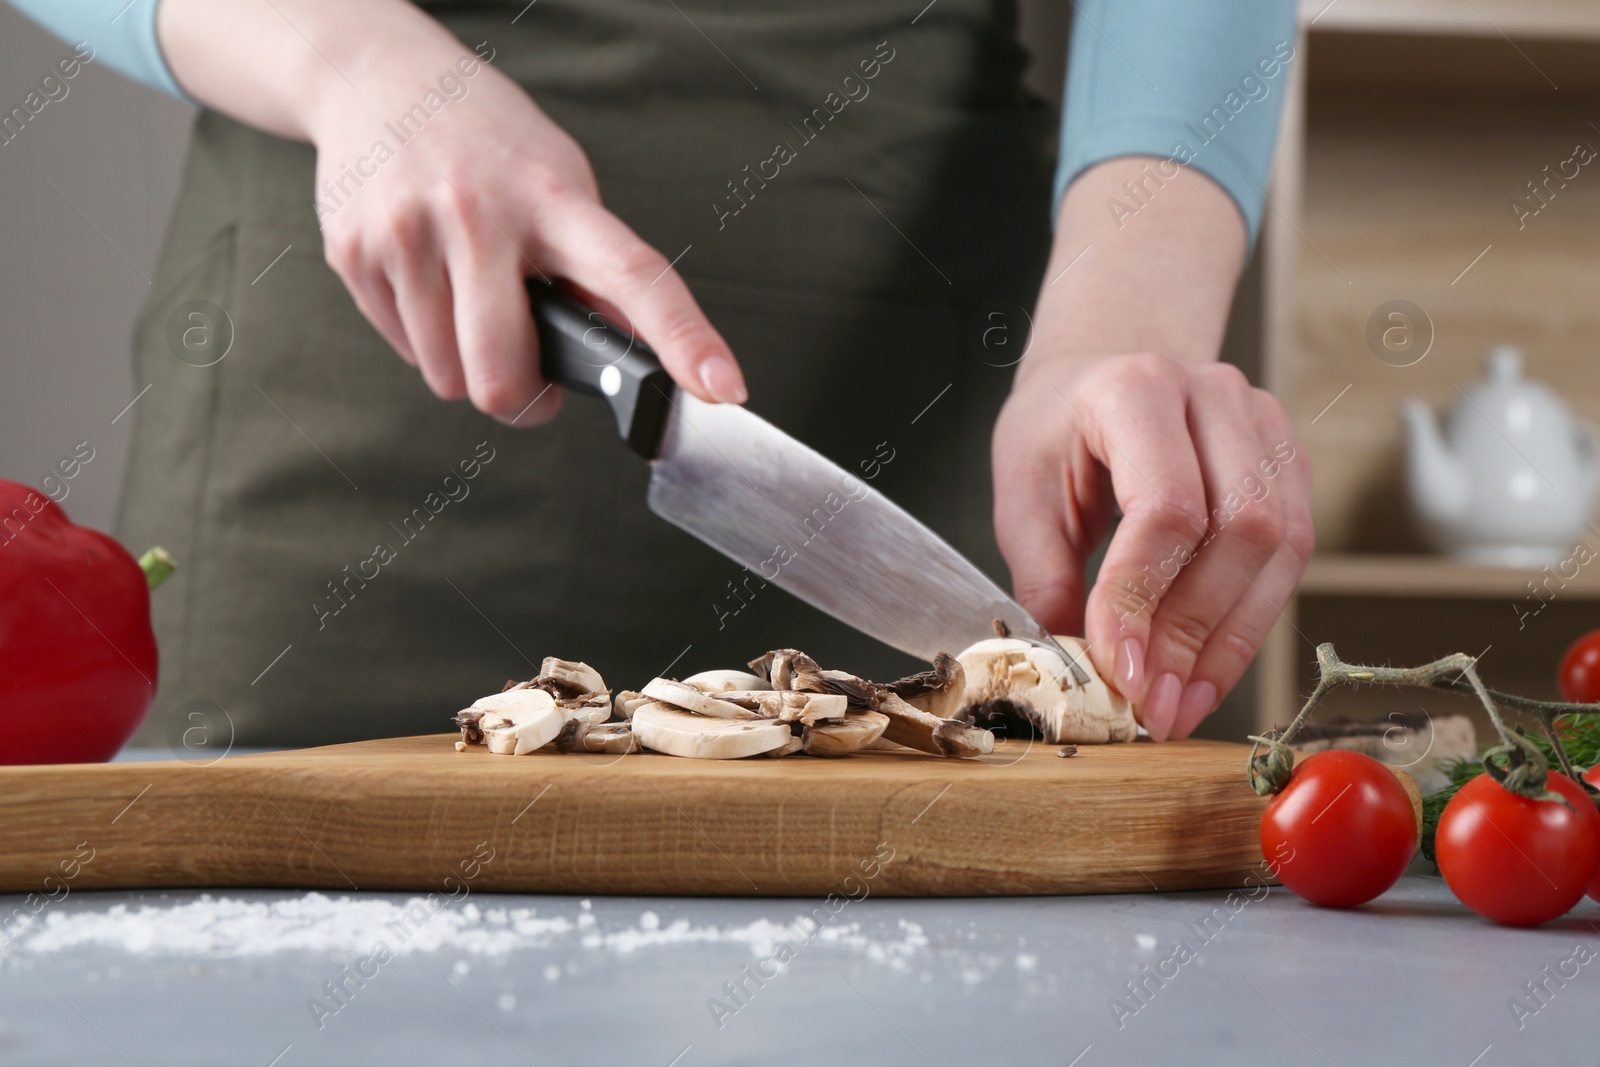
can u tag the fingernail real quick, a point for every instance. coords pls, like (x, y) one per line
(1161, 706)
(723, 381)
(1130, 666)
(1198, 700)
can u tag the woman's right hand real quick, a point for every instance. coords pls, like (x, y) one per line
(435, 238)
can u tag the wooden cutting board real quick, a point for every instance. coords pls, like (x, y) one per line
(413, 814)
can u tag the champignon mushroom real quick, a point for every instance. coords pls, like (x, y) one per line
(1010, 680)
(915, 728)
(663, 728)
(840, 737)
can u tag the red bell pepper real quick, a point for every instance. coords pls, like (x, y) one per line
(77, 655)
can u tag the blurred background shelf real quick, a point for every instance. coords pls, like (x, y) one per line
(1416, 576)
(1484, 18)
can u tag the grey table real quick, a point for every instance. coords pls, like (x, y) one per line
(484, 981)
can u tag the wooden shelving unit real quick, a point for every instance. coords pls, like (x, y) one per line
(1399, 577)
(1409, 125)
(1560, 19)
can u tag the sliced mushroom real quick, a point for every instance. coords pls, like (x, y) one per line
(774, 667)
(1009, 680)
(793, 745)
(593, 709)
(577, 688)
(726, 681)
(519, 721)
(576, 678)
(937, 692)
(616, 738)
(663, 728)
(844, 736)
(793, 670)
(626, 701)
(511, 700)
(790, 707)
(917, 729)
(689, 698)
(471, 731)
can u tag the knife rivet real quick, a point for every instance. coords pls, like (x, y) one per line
(610, 381)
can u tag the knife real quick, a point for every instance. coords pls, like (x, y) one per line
(775, 506)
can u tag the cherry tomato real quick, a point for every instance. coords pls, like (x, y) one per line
(1342, 831)
(1592, 776)
(1580, 670)
(1517, 861)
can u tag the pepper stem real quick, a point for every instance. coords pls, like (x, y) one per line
(157, 565)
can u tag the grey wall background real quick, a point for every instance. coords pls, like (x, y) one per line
(70, 283)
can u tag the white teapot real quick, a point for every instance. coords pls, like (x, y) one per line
(1511, 478)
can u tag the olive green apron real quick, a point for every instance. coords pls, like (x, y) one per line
(359, 559)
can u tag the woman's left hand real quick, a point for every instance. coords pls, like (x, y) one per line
(1121, 403)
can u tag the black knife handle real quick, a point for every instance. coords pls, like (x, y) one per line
(581, 351)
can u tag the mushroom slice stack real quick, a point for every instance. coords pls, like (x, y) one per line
(1009, 680)
(526, 716)
(932, 729)
(663, 728)
(751, 697)
(793, 671)
(785, 704)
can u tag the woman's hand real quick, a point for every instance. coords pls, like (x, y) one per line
(435, 238)
(1120, 403)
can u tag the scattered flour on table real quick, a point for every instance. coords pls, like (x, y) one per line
(227, 927)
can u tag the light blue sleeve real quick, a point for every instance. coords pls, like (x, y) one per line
(1199, 82)
(121, 32)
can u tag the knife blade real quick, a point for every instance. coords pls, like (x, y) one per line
(774, 505)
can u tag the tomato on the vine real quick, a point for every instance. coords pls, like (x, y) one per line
(1518, 861)
(1579, 678)
(1341, 831)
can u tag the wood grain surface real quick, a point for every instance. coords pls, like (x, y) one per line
(413, 814)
